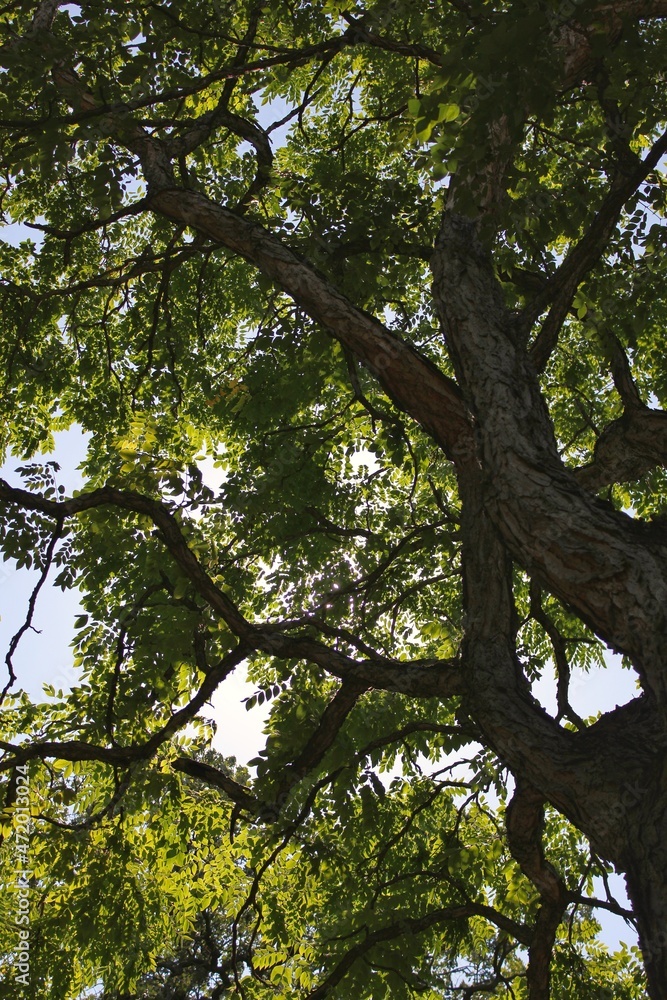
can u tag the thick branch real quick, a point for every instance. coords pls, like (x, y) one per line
(323, 738)
(583, 774)
(627, 449)
(414, 384)
(218, 779)
(610, 569)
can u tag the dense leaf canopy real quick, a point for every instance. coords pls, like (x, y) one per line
(396, 270)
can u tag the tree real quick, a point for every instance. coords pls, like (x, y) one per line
(397, 269)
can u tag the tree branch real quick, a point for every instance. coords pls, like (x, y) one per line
(27, 624)
(232, 71)
(218, 779)
(611, 569)
(525, 822)
(125, 755)
(322, 739)
(416, 925)
(414, 384)
(627, 449)
(561, 288)
(440, 678)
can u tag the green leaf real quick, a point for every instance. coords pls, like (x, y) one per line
(448, 112)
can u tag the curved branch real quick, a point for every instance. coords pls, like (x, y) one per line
(426, 678)
(125, 755)
(609, 568)
(525, 822)
(627, 449)
(416, 925)
(204, 126)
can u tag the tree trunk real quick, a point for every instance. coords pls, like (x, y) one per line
(646, 877)
(606, 779)
(518, 500)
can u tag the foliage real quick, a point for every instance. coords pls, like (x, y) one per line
(369, 853)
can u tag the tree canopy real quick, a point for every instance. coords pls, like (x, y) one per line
(397, 269)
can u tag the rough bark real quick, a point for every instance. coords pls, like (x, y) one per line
(606, 779)
(645, 865)
(520, 500)
(627, 449)
(525, 821)
(610, 569)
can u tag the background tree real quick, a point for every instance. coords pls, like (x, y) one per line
(397, 268)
